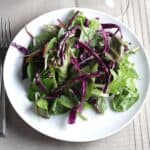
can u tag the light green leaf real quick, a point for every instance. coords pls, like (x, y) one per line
(124, 77)
(61, 33)
(42, 107)
(123, 86)
(125, 99)
(80, 19)
(95, 24)
(53, 75)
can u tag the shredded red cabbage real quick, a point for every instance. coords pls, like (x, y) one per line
(92, 52)
(106, 43)
(61, 24)
(77, 46)
(109, 34)
(73, 115)
(22, 49)
(76, 91)
(92, 100)
(84, 55)
(126, 48)
(40, 84)
(85, 77)
(111, 26)
(62, 45)
(84, 85)
(57, 92)
(74, 110)
(51, 97)
(74, 61)
(34, 54)
(31, 36)
(86, 60)
(86, 23)
(97, 18)
(111, 66)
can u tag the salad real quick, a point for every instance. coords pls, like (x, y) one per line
(77, 64)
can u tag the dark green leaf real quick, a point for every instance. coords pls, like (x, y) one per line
(46, 34)
(90, 86)
(33, 67)
(66, 102)
(31, 91)
(115, 46)
(61, 105)
(49, 83)
(31, 70)
(71, 95)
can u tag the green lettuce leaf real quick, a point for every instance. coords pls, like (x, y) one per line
(31, 70)
(48, 79)
(48, 32)
(123, 87)
(62, 71)
(94, 24)
(61, 33)
(32, 90)
(125, 99)
(53, 75)
(80, 19)
(42, 107)
(124, 77)
(61, 105)
(101, 105)
(91, 36)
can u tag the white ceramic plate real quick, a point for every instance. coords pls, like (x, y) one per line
(97, 126)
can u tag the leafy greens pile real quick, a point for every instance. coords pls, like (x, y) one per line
(78, 63)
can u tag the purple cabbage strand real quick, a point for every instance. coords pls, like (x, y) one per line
(84, 85)
(22, 49)
(92, 52)
(106, 42)
(73, 115)
(72, 19)
(74, 61)
(111, 26)
(39, 83)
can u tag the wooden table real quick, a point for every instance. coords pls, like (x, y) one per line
(135, 136)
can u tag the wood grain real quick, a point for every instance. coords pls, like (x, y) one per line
(136, 19)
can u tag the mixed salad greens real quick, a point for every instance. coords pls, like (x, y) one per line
(80, 62)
